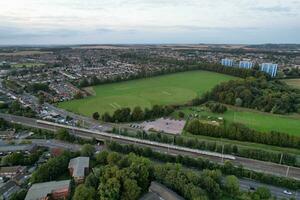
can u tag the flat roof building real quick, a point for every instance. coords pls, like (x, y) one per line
(227, 62)
(269, 68)
(53, 190)
(79, 168)
(245, 64)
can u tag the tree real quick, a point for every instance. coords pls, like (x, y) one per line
(87, 150)
(18, 195)
(84, 193)
(181, 114)
(122, 115)
(106, 117)
(263, 192)
(131, 190)
(52, 169)
(231, 185)
(96, 115)
(41, 99)
(238, 102)
(78, 95)
(113, 158)
(101, 157)
(91, 181)
(13, 159)
(83, 83)
(137, 114)
(194, 126)
(63, 134)
(110, 190)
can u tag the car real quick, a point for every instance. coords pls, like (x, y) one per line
(287, 192)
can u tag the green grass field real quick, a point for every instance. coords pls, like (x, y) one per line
(254, 119)
(293, 82)
(167, 89)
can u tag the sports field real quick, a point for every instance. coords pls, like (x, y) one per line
(163, 90)
(253, 119)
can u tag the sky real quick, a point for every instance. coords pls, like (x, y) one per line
(34, 22)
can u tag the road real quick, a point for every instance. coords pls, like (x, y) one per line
(275, 191)
(59, 144)
(256, 165)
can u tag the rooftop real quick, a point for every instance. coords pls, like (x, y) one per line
(40, 190)
(11, 169)
(78, 165)
(157, 189)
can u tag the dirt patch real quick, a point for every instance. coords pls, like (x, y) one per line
(90, 91)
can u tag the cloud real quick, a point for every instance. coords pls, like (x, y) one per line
(273, 9)
(127, 20)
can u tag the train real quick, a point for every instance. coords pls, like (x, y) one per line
(135, 140)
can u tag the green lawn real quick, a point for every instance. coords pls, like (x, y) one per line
(167, 89)
(254, 119)
(293, 82)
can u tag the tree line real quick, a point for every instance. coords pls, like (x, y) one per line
(240, 132)
(256, 93)
(169, 66)
(216, 107)
(17, 158)
(199, 163)
(137, 114)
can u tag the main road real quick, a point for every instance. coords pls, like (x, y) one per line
(256, 165)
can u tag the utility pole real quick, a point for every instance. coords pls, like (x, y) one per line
(287, 171)
(222, 153)
(281, 158)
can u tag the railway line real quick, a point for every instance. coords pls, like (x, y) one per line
(256, 165)
(110, 136)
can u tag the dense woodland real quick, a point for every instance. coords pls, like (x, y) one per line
(128, 177)
(117, 176)
(201, 164)
(257, 93)
(236, 131)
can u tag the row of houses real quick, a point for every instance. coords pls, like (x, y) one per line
(24, 148)
(16, 175)
(269, 68)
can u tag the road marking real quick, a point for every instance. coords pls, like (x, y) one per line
(167, 93)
